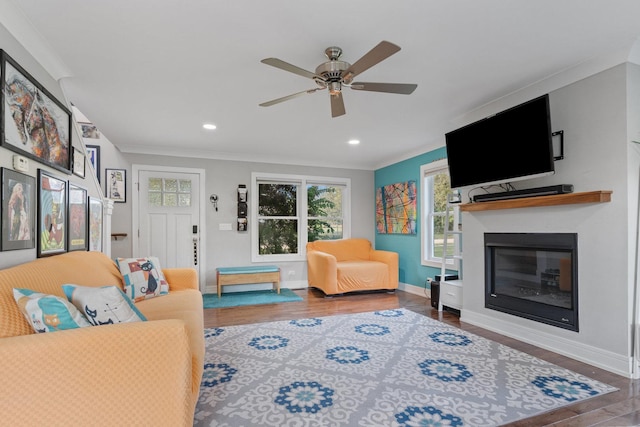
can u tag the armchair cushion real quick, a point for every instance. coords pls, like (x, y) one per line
(357, 275)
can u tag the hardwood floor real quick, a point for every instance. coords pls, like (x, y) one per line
(620, 408)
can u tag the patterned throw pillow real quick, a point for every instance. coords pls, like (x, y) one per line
(48, 313)
(143, 277)
(103, 305)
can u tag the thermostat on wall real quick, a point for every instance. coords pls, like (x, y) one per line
(20, 163)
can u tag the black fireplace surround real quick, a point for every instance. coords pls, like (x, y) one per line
(533, 275)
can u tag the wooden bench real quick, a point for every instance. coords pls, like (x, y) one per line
(248, 275)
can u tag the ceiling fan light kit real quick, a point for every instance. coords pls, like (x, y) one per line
(335, 74)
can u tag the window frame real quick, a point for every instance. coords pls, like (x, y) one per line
(427, 257)
(302, 211)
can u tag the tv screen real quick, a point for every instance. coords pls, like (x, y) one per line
(512, 145)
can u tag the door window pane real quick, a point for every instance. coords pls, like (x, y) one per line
(155, 199)
(169, 192)
(184, 186)
(170, 200)
(155, 184)
(184, 200)
(171, 185)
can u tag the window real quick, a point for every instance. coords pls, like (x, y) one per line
(169, 192)
(324, 212)
(277, 218)
(435, 188)
(286, 205)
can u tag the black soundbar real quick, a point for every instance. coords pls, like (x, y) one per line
(527, 192)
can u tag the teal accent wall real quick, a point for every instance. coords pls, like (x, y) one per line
(407, 246)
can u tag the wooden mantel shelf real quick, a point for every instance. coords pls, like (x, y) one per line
(601, 196)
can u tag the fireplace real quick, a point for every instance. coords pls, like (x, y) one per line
(533, 275)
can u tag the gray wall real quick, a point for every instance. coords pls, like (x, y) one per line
(231, 248)
(593, 114)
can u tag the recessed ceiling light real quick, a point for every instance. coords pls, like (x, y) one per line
(354, 141)
(209, 126)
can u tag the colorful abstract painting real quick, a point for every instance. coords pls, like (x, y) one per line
(34, 123)
(396, 208)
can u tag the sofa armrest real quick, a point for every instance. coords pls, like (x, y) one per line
(124, 374)
(391, 259)
(322, 271)
(181, 278)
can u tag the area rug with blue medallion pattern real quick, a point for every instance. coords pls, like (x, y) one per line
(384, 368)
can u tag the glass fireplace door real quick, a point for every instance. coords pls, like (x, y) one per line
(533, 275)
(543, 276)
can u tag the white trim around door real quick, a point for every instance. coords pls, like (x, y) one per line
(136, 168)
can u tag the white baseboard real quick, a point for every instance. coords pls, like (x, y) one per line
(415, 290)
(607, 360)
(303, 284)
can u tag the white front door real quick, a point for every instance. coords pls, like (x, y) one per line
(168, 217)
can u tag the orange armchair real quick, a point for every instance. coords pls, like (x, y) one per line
(348, 265)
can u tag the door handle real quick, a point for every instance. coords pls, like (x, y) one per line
(195, 251)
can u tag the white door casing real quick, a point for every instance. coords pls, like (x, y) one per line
(167, 204)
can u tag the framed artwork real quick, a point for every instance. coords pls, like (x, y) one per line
(18, 210)
(89, 130)
(95, 224)
(396, 211)
(115, 183)
(93, 155)
(52, 214)
(78, 163)
(78, 214)
(33, 122)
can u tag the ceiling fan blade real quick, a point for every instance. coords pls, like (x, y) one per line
(401, 88)
(382, 51)
(278, 63)
(337, 105)
(288, 97)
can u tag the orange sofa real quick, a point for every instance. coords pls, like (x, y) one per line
(126, 374)
(348, 265)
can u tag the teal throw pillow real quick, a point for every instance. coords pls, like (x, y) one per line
(48, 313)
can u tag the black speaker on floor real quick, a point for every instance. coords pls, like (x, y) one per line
(435, 288)
(435, 294)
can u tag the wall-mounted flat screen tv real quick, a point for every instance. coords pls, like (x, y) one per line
(512, 145)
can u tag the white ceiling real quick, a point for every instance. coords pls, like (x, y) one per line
(149, 73)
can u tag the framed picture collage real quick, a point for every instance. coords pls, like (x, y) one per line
(48, 211)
